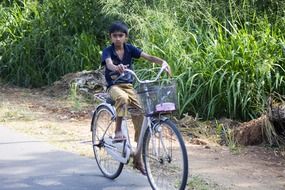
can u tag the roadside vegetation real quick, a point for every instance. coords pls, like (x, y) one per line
(227, 56)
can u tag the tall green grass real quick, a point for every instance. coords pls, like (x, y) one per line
(227, 56)
(41, 42)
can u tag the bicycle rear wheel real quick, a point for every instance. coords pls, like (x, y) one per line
(165, 156)
(103, 125)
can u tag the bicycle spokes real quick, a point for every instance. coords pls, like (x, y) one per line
(103, 127)
(165, 157)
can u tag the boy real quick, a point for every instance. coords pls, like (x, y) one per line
(116, 58)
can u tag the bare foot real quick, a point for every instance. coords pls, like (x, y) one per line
(119, 137)
(139, 166)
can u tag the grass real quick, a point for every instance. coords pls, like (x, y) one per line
(198, 183)
(227, 56)
(78, 101)
(10, 112)
(234, 147)
(74, 97)
(226, 134)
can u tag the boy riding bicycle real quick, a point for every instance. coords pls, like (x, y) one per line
(116, 58)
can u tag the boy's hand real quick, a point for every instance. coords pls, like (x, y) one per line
(121, 68)
(166, 67)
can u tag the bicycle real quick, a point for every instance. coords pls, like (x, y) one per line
(163, 150)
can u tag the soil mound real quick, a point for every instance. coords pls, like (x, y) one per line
(85, 82)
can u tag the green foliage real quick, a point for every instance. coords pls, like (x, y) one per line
(198, 183)
(74, 97)
(42, 42)
(227, 56)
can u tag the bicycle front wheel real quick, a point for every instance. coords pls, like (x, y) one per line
(165, 156)
(103, 126)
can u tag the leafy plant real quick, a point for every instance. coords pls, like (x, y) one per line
(227, 56)
(74, 96)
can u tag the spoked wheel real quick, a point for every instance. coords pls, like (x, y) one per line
(104, 123)
(165, 157)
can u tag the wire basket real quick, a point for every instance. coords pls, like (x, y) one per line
(158, 97)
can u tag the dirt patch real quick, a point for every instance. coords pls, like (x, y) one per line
(250, 133)
(67, 126)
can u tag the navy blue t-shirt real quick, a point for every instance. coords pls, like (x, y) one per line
(130, 52)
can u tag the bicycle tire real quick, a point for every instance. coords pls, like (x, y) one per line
(165, 170)
(102, 118)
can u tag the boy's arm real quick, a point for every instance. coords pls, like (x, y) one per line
(157, 60)
(118, 68)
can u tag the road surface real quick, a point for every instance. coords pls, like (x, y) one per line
(27, 163)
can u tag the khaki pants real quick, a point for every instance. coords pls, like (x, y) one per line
(125, 96)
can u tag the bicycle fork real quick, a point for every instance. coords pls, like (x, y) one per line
(159, 149)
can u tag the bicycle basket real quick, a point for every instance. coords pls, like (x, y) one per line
(158, 97)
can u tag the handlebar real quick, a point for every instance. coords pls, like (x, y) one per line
(144, 81)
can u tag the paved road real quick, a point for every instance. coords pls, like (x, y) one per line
(31, 164)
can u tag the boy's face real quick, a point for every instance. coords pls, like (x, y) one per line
(118, 38)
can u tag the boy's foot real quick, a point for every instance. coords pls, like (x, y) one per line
(119, 137)
(139, 166)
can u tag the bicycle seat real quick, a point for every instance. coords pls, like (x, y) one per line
(104, 97)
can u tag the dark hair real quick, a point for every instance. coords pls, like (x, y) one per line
(118, 26)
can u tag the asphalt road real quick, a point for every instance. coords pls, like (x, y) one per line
(31, 164)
